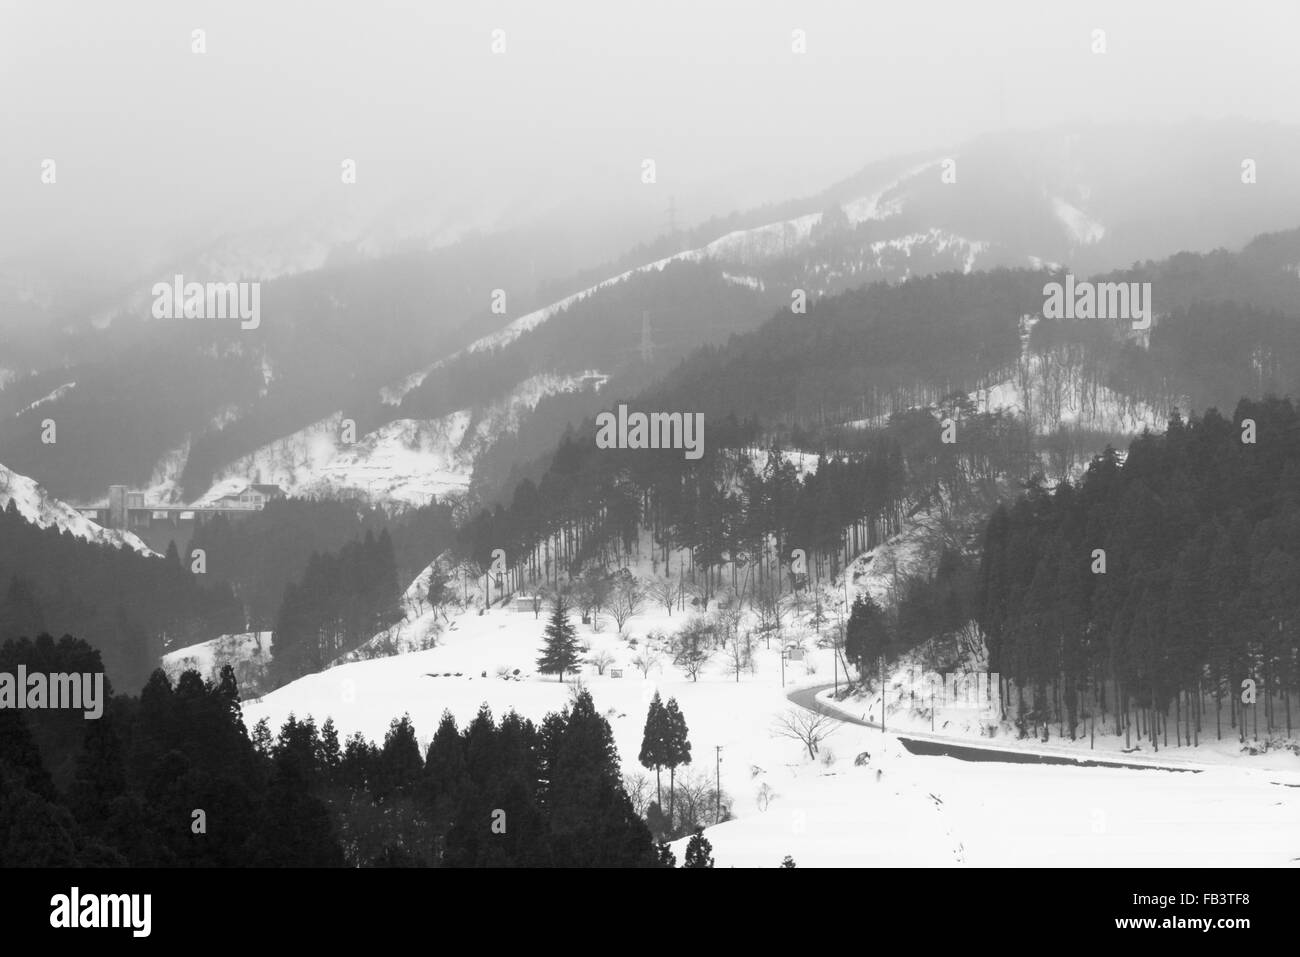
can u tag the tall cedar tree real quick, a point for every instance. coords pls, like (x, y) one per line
(560, 653)
(866, 634)
(676, 745)
(653, 742)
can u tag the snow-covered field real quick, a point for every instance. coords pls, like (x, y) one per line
(937, 811)
(864, 800)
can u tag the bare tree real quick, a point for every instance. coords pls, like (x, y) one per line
(648, 660)
(543, 595)
(693, 646)
(807, 727)
(740, 654)
(697, 802)
(627, 600)
(639, 791)
(591, 593)
(666, 592)
(601, 659)
(726, 622)
(773, 607)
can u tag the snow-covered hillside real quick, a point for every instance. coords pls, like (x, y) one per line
(747, 247)
(249, 654)
(38, 507)
(865, 800)
(405, 461)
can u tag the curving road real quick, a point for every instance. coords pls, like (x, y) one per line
(937, 745)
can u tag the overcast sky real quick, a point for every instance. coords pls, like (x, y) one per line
(153, 142)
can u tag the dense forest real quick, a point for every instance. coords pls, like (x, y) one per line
(342, 600)
(740, 511)
(131, 605)
(261, 553)
(174, 779)
(1158, 596)
(1225, 327)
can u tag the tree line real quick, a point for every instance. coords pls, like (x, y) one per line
(263, 552)
(131, 605)
(1161, 595)
(342, 600)
(173, 778)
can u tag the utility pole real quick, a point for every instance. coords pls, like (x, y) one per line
(835, 668)
(882, 692)
(717, 785)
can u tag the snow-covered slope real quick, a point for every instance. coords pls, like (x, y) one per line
(403, 461)
(44, 511)
(865, 800)
(249, 654)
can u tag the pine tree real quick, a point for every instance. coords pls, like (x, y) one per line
(400, 765)
(653, 741)
(666, 856)
(331, 752)
(560, 653)
(699, 852)
(262, 736)
(444, 765)
(866, 634)
(676, 747)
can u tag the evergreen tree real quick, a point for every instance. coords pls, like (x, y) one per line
(666, 856)
(866, 634)
(653, 741)
(331, 752)
(444, 766)
(262, 737)
(560, 653)
(676, 748)
(699, 852)
(400, 765)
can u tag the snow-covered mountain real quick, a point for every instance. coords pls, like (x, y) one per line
(45, 511)
(394, 325)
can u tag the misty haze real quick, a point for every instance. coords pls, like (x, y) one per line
(671, 434)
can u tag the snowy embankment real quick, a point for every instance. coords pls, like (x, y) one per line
(43, 510)
(908, 712)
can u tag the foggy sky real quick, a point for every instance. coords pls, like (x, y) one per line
(157, 146)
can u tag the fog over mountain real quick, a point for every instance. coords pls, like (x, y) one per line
(161, 150)
(601, 435)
